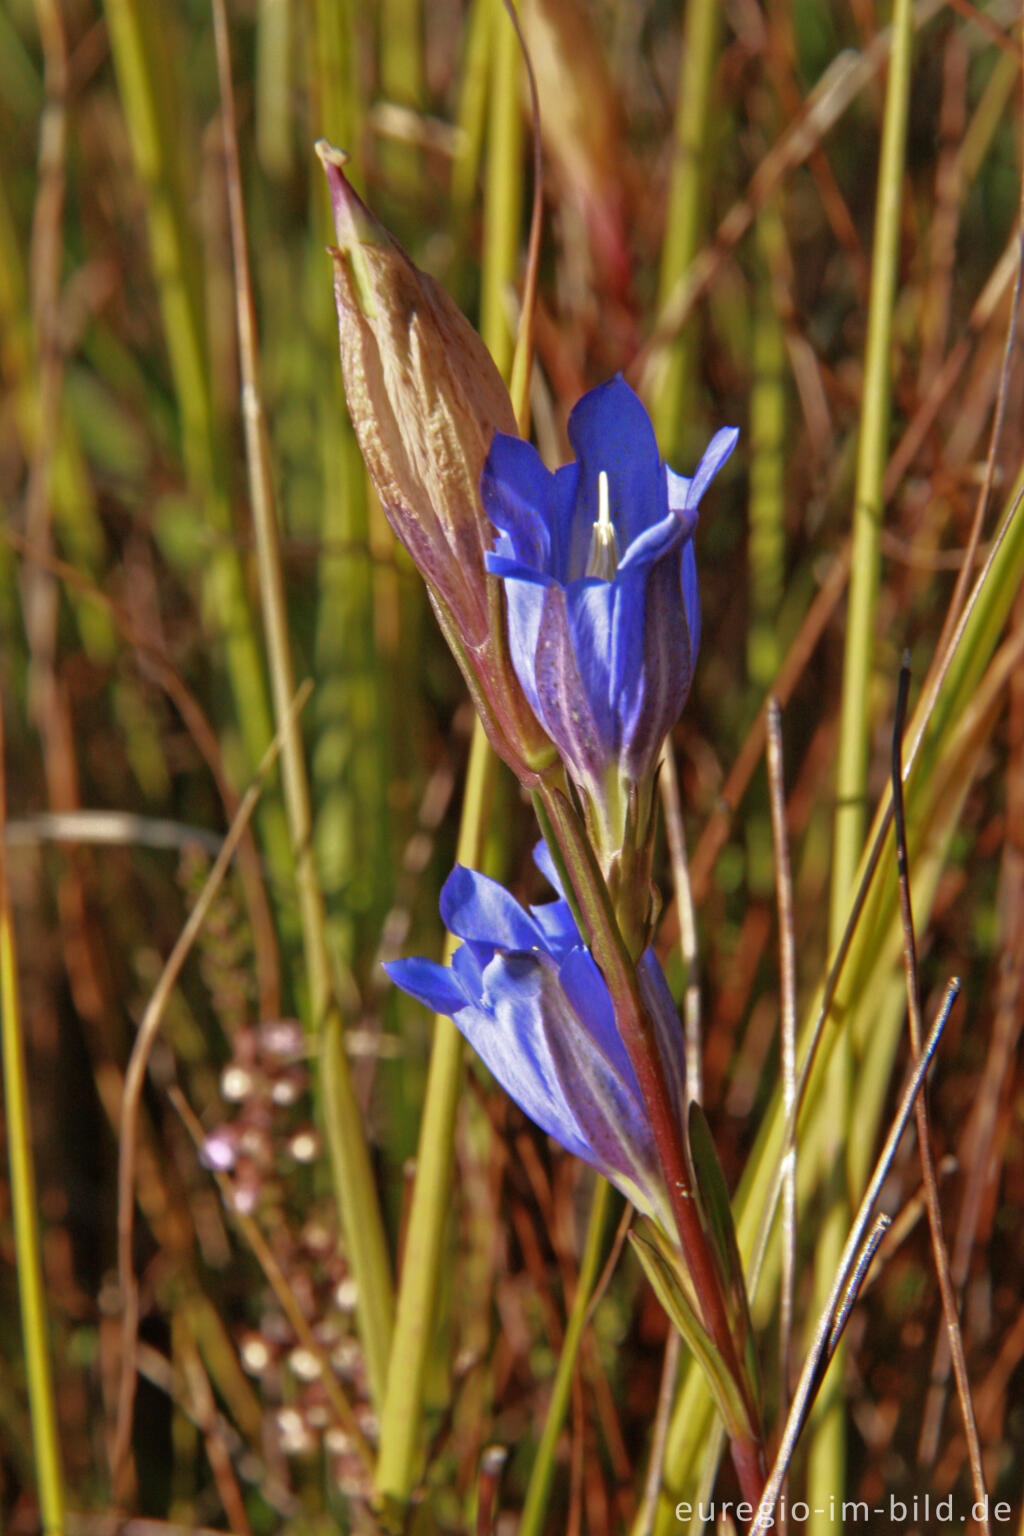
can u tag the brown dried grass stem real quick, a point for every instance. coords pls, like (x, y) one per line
(134, 1081)
(924, 1141)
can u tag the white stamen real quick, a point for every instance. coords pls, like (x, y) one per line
(604, 550)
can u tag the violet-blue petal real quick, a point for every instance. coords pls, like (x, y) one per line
(526, 616)
(691, 600)
(433, 985)
(605, 662)
(590, 999)
(715, 454)
(558, 925)
(546, 864)
(509, 1033)
(473, 904)
(591, 613)
(610, 430)
(541, 1019)
(617, 1127)
(516, 492)
(659, 540)
(578, 714)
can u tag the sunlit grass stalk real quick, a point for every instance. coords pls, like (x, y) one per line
(400, 43)
(274, 117)
(72, 502)
(542, 1473)
(362, 1220)
(672, 400)
(401, 51)
(941, 762)
(140, 37)
(400, 1424)
(338, 94)
(768, 445)
(423, 1253)
(827, 1458)
(502, 192)
(471, 114)
(350, 770)
(35, 1326)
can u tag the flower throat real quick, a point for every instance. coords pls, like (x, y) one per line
(603, 560)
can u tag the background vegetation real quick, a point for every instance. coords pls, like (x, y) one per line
(712, 215)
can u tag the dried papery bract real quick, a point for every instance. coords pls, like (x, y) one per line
(426, 400)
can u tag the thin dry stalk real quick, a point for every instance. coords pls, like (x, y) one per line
(988, 1123)
(522, 360)
(204, 1413)
(978, 523)
(945, 223)
(838, 87)
(491, 1464)
(154, 661)
(983, 313)
(817, 618)
(46, 256)
(716, 832)
(659, 1435)
(850, 1272)
(924, 1142)
(285, 1294)
(787, 972)
(668, 780)
(134, 1081)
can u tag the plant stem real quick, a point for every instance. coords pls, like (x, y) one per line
(431, 1197)
(542, 1473)
(139, 47)
(362, 1220)
(608, 948)
(35, 1327)
(826, 1472)
(502, 192)
(672, 397)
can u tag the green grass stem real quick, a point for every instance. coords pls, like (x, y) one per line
(768, 445)
(140, 44)
(943, 749)
(827, 1439)
(274, 116)
(354, 1183)
(471, 114)
(35, 1326)
(503, 192)
(398, 1458)
(338, 90)
(73, 503)
(673, 397)
(350, 756)
(542, 1473)
(420, 1276)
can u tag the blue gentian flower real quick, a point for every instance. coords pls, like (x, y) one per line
(601, 581)
(527, 995)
